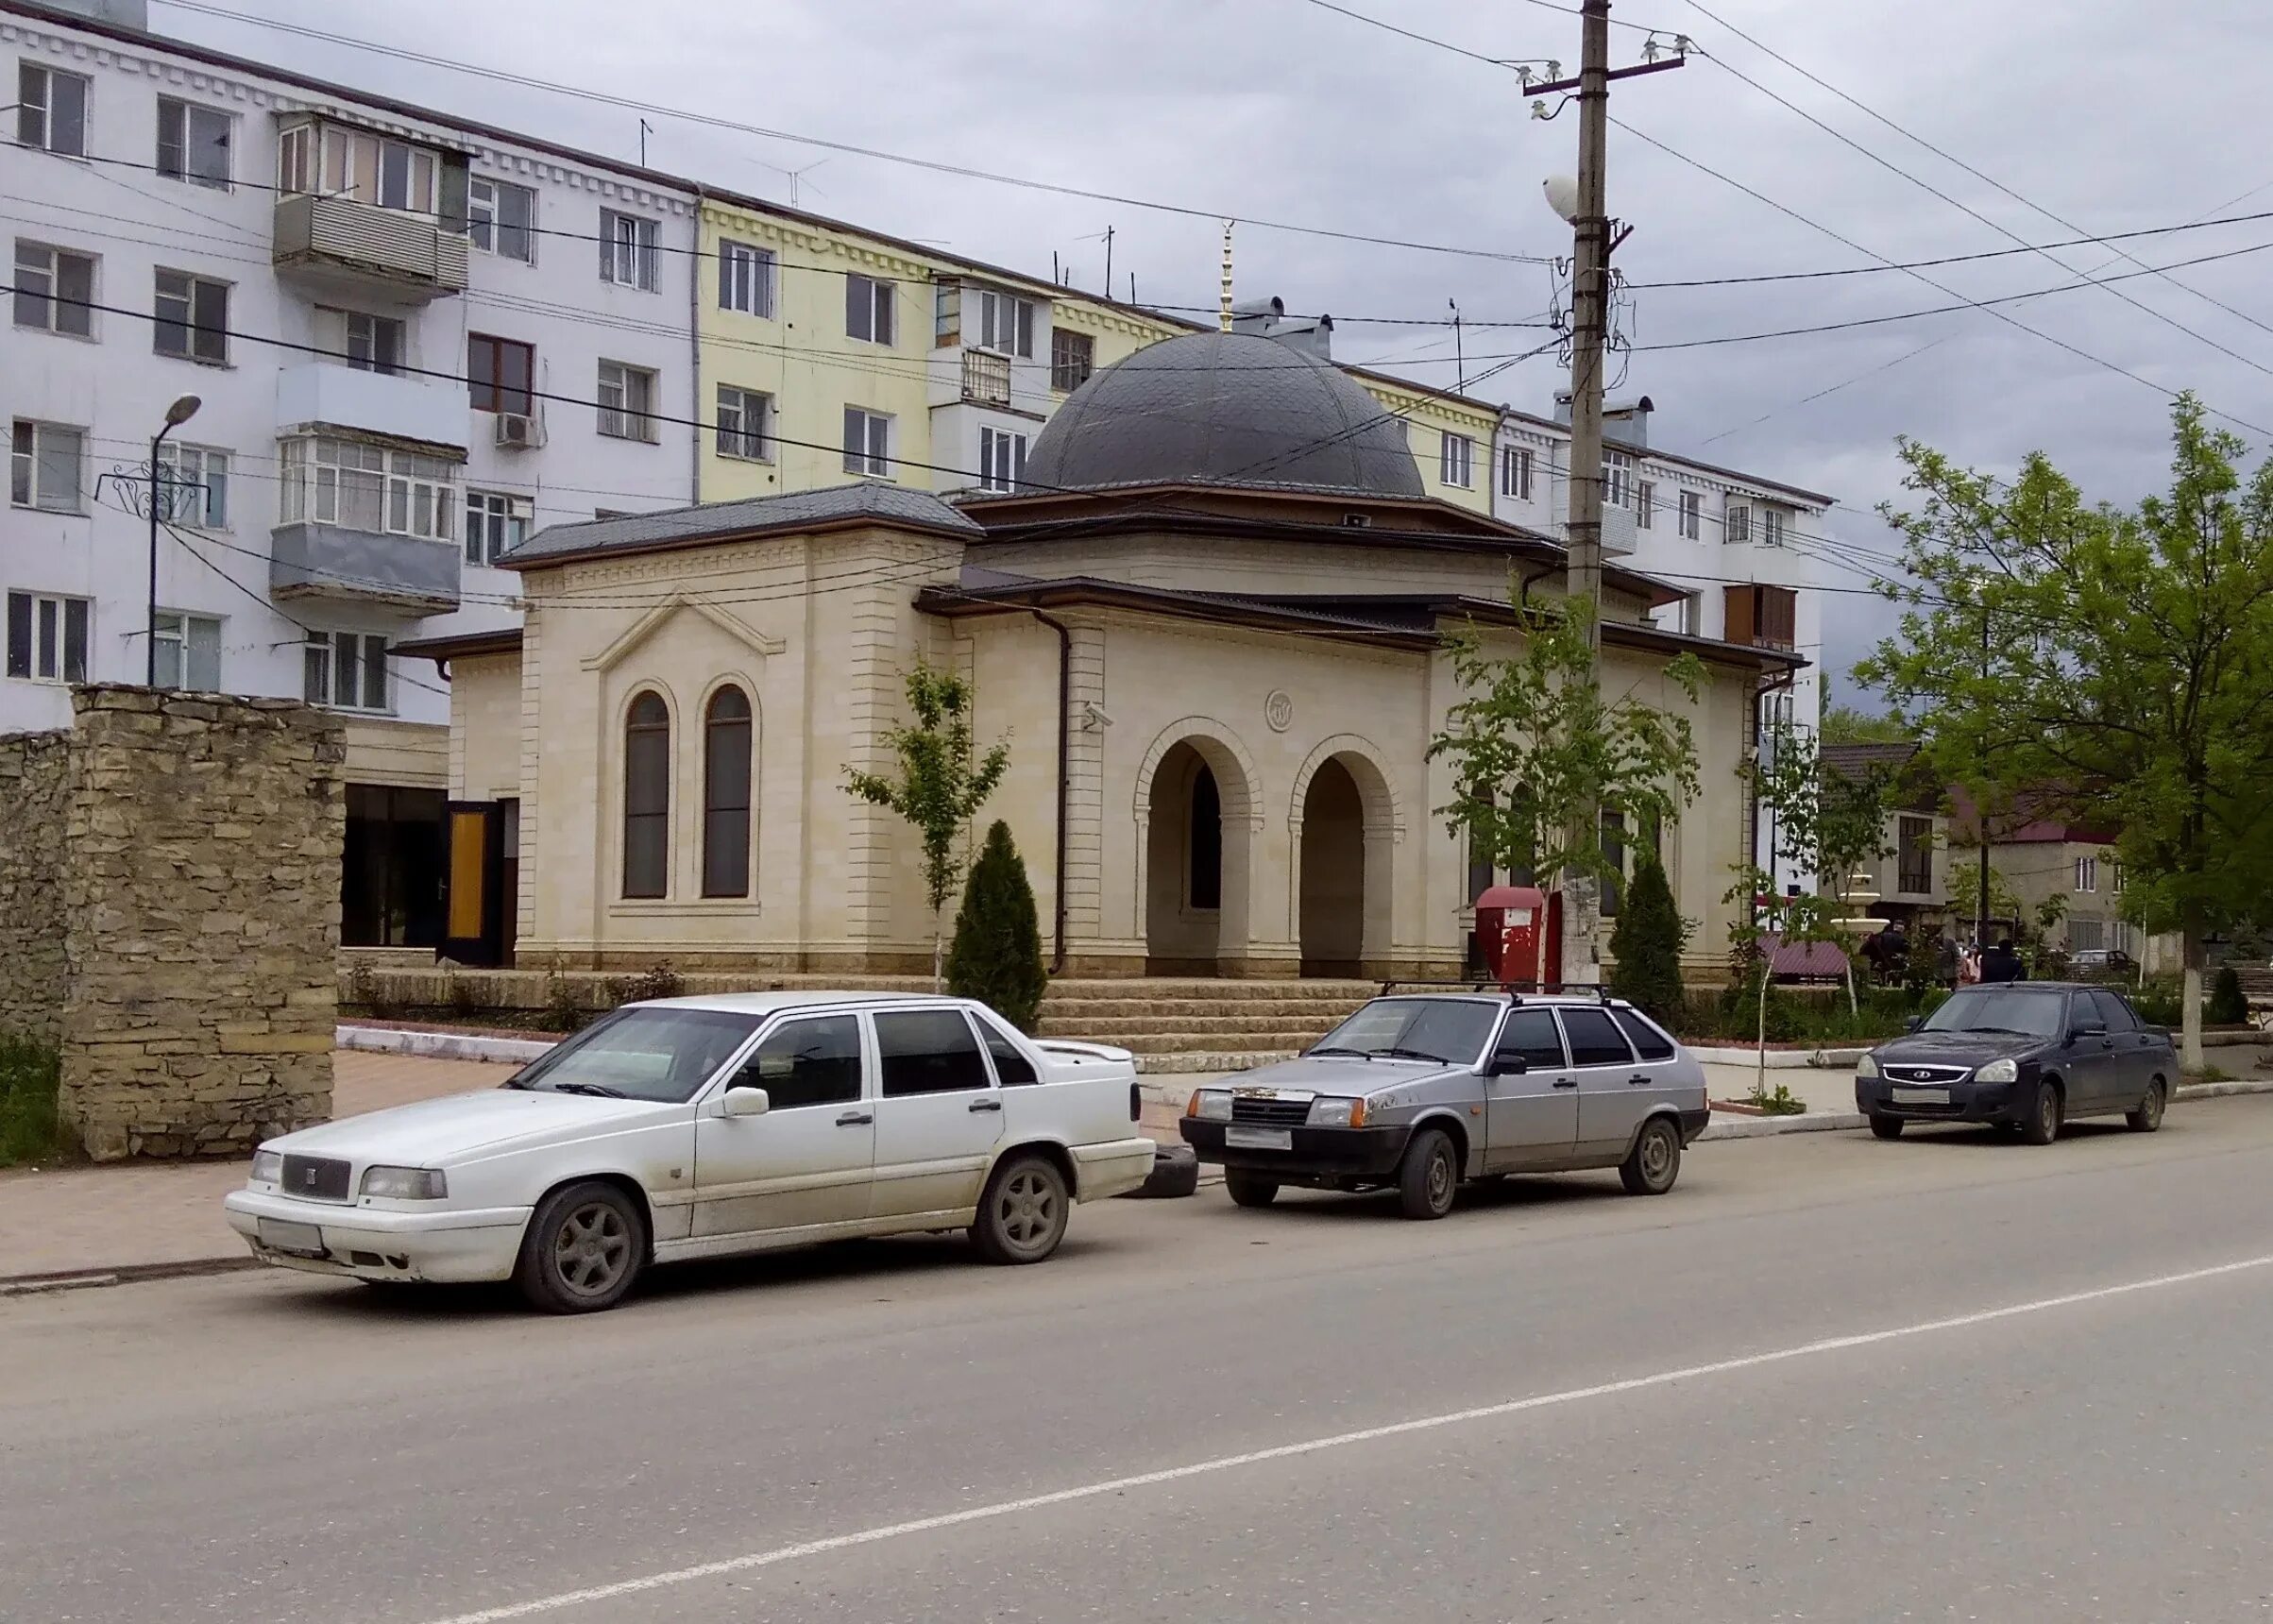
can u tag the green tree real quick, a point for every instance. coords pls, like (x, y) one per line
(996, 957)
(1828, 822)
(941, 784)
(2114, 667)
(1531, 739)
(1648, 940)
(1844, 724)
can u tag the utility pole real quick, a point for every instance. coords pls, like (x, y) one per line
(1460, 364)
(1109, 262)
(1980, 816)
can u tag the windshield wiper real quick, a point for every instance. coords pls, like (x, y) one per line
(1411, 1054)
(1361, 1054)
(600, 1089)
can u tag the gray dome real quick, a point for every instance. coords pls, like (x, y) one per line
(1224, 409)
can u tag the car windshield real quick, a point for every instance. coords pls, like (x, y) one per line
(660, 1053)
(2031, 1013)
(1451, 1030)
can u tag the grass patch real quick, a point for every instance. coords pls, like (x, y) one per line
(1779, 1100)
(32, 1126)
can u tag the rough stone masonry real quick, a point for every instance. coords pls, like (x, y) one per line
(200, 901)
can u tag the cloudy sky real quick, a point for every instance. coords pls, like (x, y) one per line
(2113, 116)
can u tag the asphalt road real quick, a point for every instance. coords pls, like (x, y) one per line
(1948, 1378)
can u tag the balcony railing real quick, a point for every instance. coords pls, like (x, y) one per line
(986, 378)
(344, 235)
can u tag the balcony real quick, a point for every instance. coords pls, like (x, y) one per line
(341, 244)
(986, 378)
(344, 566)
(331, 394)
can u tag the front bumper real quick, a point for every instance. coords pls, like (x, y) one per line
(1315, 1155)
(373, 1244)
(1968, 1101)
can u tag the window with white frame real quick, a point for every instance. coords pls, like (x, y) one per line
(55, 290)
(2115, 878)
(501, 218)
(745, 424)
(47, 637)
(189, 651)
(194, 482)
(193, 143)
(1006, 323)
(627, 401)
(1645, 504)
(1692, 515)
(323, 480)
(1001, 459)
(335, 161)
(375, 342)
(45, 467)
(2087, 873)
(746, 279)
(2086, 934)
(867, 442)
(1456, 459)
(51, 109)
(1618, 480)
(193, 318)
(1772, 526)
(495, 522)
(344, 670)
(1736, 527)
(1515, 472)
(868, 308)
(627, 250)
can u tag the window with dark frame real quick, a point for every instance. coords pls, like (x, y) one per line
(1073, 357)
(727, 732)
(500, 374)
(647, 798)
(391, 867)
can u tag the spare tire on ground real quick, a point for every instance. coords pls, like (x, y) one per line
(1175, 1172)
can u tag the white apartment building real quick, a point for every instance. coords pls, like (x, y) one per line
(409, 340)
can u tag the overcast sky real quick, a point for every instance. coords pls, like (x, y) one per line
(2114, 115)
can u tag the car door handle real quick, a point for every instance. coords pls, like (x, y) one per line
(1638, 1077)
(986, 1105)
(1566, 1082)
(855, 1119)
(2107, 1042)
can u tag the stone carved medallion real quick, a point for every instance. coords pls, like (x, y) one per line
(1279, 710)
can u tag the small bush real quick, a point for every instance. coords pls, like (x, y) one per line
(1779, 1100)
(1647, 942)
(2162, 1003)
(31, 1124)
(2227, 1007)
(996, 957)
(563, 1013)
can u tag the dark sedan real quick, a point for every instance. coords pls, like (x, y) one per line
(2027, 1057)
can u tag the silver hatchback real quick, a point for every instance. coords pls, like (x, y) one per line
(1422, 1091)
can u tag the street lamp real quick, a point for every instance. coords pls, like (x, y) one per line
(177, 414)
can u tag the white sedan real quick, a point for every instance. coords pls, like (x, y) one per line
(702, 1127)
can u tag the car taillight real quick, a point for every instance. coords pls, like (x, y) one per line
(1136, 1103)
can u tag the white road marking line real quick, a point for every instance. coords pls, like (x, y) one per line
(1335, 1441)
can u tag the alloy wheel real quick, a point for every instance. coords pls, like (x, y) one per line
(592, 1249)
(1028, 1209)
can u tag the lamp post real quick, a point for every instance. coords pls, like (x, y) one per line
(177, 414)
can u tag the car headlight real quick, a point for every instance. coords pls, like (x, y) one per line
(268, 1166)
(405, 1183)
(1867, 1066)
(1337, 1114)
(1211, 1104)
(1999, 1072)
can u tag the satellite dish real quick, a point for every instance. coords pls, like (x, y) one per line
(1562, 196)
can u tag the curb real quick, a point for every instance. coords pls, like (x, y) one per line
(121, 1275)
(2220, 1091)
(437, 1046)
(1778, 1060)
(1729, 1125)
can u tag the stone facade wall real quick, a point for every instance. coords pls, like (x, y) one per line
(202, 901)
(34, 794)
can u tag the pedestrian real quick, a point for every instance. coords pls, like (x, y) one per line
(1946, 964)
(2001, 964)
(1969, 968)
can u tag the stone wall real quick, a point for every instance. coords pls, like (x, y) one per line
(34, 796)
(202, 901)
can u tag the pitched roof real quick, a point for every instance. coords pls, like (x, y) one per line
(1853, 759)
(865, 502)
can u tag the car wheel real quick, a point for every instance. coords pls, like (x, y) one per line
(1250, 1189)
(2042, 1126)
(1428, 1177)
(583, 1250)
(2148, 1116)
(1654, 1162)
(1022, 1217)
(1886, 1126)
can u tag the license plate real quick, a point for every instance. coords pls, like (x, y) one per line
(1238, 1138)
(1922, 1096)
(300, 1239)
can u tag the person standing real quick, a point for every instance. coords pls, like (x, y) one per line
(2001, 964)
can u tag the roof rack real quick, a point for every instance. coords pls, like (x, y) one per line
(1514, 989)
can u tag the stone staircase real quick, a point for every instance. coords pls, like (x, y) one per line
(1200, 1027)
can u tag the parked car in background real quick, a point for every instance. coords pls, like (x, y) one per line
(1418, 1092)
(2027, 1057)
(2095, 963)
(702, 1127)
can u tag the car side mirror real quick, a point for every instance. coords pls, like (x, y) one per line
(745, 1100)
(1509, 1065)
(2095, 1031)
(1914, 1024)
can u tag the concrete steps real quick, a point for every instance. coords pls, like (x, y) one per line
(1200, 1028)
(1215, 1018)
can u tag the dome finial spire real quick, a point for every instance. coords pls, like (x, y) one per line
(1223, 317)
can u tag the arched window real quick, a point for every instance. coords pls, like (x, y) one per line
(726, 795)
(1206, 883)
(647, 798)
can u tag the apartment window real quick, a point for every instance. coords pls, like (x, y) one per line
(344, 670)
(1645, 504)
(1618, 480)
(2086, 933)
(44, 466)
(1515, 472)
(627, 250)
(1772, 526)
(51, 109)
(1761, 617)
(1001, 459)
(627, 401)
(2087, 873)
(746, 279)
(1736, 530)
(727, 735)
(745, 423)
(867, 442)
(193, 318)
(55, 290)
(370, 169)
(359, 486)
(1073, 357)
(1692, 515)
(495, 522)
(192, 143)
(501, 218)
(1006, 323)
(1456, 459)
(196, 480)
(499, 373)
(647, 798)
(868, 308)
(375, 342)
(2115, 878)
(189, 651)
(47, 637)
(1914, 855)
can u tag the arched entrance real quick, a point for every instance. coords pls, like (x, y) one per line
(1345, 846)
(1196, 854)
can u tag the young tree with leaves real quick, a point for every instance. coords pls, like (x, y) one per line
(2114, 667)
(1533, 738)
(997, 954)
(941, 784)
(1828, 823)
(1647, 942)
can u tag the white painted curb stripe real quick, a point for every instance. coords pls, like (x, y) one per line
(438, 1046)
(1335, 1441)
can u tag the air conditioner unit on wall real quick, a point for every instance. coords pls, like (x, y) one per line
(520, 430)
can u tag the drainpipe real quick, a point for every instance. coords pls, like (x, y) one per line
(694, 339)
(1065, 779)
